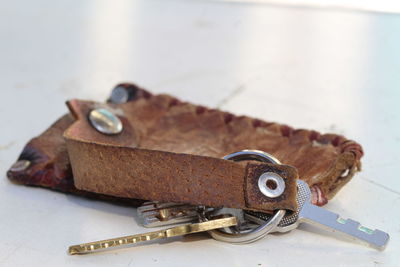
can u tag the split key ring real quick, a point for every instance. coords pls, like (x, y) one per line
(252, 235)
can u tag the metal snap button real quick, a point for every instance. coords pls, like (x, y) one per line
(105, 121)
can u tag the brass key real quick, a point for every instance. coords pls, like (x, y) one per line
(165, 233)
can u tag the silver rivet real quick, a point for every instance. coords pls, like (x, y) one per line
(119, 95)
(20, 165)
(105, 121)
(271, 184)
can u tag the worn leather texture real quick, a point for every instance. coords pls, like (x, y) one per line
(164, 123)
(141, 163)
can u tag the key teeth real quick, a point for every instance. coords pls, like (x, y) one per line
(349, 222)
(358, 226)
(381, 238)
(353, 223)
(155, 214)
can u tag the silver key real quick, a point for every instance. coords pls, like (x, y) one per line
(326, 220)
(156, 214)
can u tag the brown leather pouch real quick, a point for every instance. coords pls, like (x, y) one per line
(171, 151)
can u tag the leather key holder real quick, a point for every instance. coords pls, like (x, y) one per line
(169, 150)
(135, 164)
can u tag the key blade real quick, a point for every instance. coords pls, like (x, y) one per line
(114, 242)
(170, 232)
(334, 223)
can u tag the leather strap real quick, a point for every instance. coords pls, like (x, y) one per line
(125, 165)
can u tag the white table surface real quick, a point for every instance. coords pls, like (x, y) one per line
(330, 70)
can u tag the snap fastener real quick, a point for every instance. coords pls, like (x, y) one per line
(20, 165)
(271, 184)
(105, 122)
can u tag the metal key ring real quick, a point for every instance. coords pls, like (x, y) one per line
(265, 228)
